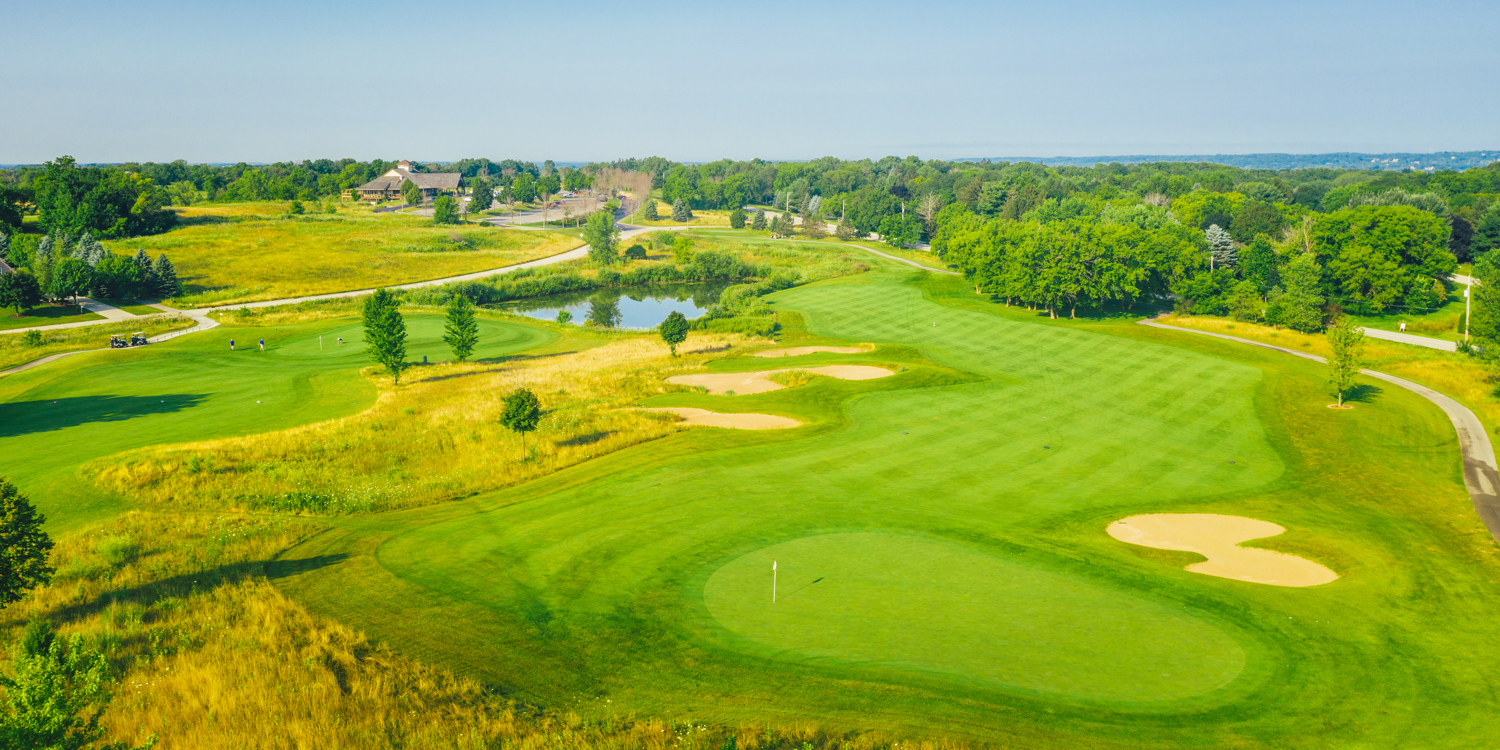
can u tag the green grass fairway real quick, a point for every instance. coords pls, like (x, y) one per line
(46, 315)
(58, 416)
(936, 606)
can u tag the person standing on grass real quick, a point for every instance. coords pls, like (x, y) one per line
(1403, 326)
(262, 344)
(231, 345)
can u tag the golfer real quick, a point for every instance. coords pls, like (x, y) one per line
(262, 344)
(231, 345)
(1403, 326)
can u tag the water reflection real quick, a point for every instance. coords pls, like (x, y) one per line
(638, 307)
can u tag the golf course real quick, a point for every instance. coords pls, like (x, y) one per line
(938, 538)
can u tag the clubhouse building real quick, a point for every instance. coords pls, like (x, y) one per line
(388, 186)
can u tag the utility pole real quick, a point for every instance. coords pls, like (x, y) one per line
(1468, 302)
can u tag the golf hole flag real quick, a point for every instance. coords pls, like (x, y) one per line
(773, 581)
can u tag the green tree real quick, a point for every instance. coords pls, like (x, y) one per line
(296, 209)
(846, 231)
(522, 414)
(602, 235)
(759, 223)
(635, 252)
(411, 193)
(680, 211)
(524, 188)
(70, 277)
(674, 330)
(1374, 256)
(481, 195)
(648, 209)
(1245, 304)
(1484, 316)
(564, 317)
(1258, 263)
(1255, 217)
(20, 291)
(899, 232)
(1486, 234)
(145, 272)
(1345, 340)
(737, 218)
(1299, 306)
(385, 332)
(165, 274)
(461, 331)
(56, 695)
(24, 546)
(445, 210)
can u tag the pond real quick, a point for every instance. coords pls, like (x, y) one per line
(637, 307)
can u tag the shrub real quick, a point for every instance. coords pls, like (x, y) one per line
(635, 252)
(117, 550)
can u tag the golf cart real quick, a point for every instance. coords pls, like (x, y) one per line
(121, 341)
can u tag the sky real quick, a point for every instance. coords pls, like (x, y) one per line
(577, 81)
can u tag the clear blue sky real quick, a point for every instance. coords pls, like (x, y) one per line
(575, 80)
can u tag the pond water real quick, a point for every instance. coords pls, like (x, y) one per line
(638, 307)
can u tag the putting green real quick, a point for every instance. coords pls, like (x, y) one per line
(56, 417)
(923, 604)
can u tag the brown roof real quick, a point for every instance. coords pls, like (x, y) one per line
(5, 268)
(429, 180)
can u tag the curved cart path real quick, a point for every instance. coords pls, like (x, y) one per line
(1481, 474)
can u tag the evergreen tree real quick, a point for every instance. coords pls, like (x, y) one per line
(385, 332)
(461, 331)
(89, 250)
(147, 273)
(674, 330)
(1220, 246)
(846, 231)
(737, 218)
(24, 546)
(4, 246)
(481, 196)
(679, 211)
(445, 210)
(165, 276)
(759, 223)
(648, 209)
(411, 193)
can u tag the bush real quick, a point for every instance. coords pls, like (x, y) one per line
(635, 252)
(737, 218)
(117, 550)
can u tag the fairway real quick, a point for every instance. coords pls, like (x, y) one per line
(57, 417)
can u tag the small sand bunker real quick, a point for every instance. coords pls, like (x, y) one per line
(798, 351)
(745, 383)
(705, 418)
(1218, 538)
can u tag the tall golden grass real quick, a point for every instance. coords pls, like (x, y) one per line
(435, 437)
(1457, 375)
(209, 655)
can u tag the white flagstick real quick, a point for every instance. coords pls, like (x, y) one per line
(773, 581)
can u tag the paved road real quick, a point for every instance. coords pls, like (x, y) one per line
(1407, 338)
(1481, 474)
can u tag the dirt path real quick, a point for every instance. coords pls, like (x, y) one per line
(1481, 474)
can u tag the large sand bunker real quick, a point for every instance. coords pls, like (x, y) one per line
(1218, 538)
(798, 351)
(705, 418)
(744, 383)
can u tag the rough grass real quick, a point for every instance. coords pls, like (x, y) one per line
(1455, 374)
(226, 254)
(14, 350)
(703, 218)
(45, 315)
(434, 438)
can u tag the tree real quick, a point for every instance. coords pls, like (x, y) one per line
(524, 188)
(522, 414)
(70, 277)
(385, 332)
(24, 546)
(737, 218)
(481, 195)
(1254, 217)
(1460, 235)
(927, 208)
(1486, 234)
(680, 211)
(296, 209)
(602, 235)
(56, 694)
(1258, 263)
(635, 252)
(814, 226)
(461, 332)
(1220, 247)
(144, 271)
(165, 275)
(845, 230)
(1245, 304)
(674, 330)
(1378, 256)
(759, 223)
(1299, 306)
(20, 291)
(411, 193)
(115, 277)
(1484, 318)
(899, 232)
(648, 209)
(1345, 340)
(445, 210)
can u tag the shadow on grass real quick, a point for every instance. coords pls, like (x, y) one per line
(1362, 393)
(27, 417)
(589, 439)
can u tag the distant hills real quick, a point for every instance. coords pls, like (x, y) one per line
(1341, 160)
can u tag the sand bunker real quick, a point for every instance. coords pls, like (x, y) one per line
(1217, 538)
(744, 383)
(798, 351)
(705, 418)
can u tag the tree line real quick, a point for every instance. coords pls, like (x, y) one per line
(57, 267)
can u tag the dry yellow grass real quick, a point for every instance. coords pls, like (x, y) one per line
(704, 218)
(435, 437)
(210, 656)
(15, 351)
(1457, 375)
(245, 252)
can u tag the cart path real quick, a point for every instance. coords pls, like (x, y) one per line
(1481, 473)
